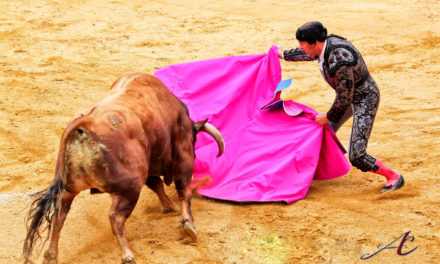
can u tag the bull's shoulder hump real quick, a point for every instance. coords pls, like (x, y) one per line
(147, 80)
(122, 81)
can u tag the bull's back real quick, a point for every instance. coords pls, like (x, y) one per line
(146, 97)
(165, 121)
(137, 102)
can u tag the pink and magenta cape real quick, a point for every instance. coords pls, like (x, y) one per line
(270, 155)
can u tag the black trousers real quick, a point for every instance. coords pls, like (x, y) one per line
(363, 111)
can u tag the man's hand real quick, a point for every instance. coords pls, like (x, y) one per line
(321, 119)
(280, 52)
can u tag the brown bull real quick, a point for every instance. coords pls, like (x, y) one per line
(137, 133)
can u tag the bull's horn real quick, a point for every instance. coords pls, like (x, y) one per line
(210, 129)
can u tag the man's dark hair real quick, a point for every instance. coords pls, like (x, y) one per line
(311, 32)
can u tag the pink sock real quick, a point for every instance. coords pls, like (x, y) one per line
(386, 171)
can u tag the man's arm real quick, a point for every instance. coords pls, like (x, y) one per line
(293, 55)
(344, 93)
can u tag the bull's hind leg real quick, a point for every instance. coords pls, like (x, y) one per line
(64, 201)
(122, 206)
(155, 183)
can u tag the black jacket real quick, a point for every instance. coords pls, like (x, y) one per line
(344, 70)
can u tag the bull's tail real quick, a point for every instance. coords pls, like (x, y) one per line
(40, 215)
(45, 203)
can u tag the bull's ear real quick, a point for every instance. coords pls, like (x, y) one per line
(200, 124)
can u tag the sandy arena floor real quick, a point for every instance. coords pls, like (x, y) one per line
(60, 56)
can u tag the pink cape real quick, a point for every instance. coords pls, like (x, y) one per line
(269, 155)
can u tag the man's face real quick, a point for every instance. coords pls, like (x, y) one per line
(312, 50)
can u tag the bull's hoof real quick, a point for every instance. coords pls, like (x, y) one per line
(128, 260)
(190, 230)
(187, 229)
(170, 209)
(49, 258)
(28, 261)
(182, 232)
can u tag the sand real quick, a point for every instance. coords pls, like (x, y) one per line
(60, 56)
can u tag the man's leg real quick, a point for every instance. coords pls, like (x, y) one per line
(363, 119)
(348, 113)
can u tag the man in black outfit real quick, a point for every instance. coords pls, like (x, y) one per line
(357, 94)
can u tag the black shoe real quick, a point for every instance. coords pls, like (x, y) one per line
(399, 184)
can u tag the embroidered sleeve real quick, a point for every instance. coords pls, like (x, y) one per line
(296, 55)
(344, 93)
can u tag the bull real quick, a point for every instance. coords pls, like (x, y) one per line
(133, 136)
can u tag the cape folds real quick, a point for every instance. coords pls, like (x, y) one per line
(269, 155)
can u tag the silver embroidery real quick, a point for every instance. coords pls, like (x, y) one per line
(339, 55)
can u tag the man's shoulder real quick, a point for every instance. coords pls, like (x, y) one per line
(337, 41)
(339, 52)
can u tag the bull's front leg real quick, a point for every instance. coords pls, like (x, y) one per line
(155, 183)
(186, 227)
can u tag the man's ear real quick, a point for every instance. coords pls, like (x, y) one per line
(200, 124)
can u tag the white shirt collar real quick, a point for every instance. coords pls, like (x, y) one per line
(321, 56)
